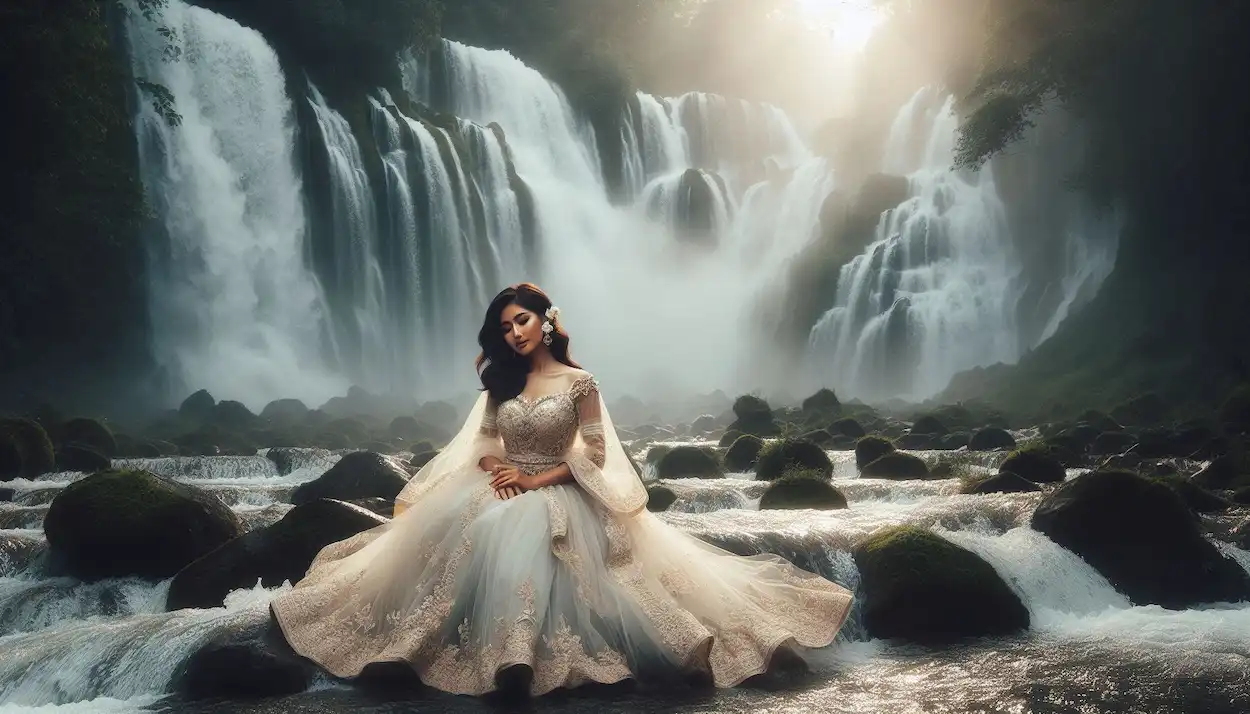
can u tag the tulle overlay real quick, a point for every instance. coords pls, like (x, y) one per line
(461, 585)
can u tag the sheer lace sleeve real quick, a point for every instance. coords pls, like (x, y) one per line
(597, 459)
(478, 437)
(590, 418)
(488, 428)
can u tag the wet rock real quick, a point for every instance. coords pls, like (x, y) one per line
(870, 448)
(824, 401)
(25, 450)
(778, 457)
(198, 407)
(744, 453)
(421, 459)
(1002, 483)
(820, 437)
(754, 416)
(1112, 442)
(847, 427)
(75, 457)
(991, 439)
(919, 587)
(688, 462)
(1035, 464)
(88, 433)
(1222, 472)
(360, 474)
(273, 554)
(703, 424)
(897, 465)
(802, 489)
(1196, 497)
(285, 412)
(123, 523)
(929, 425)
(1143, 538)
(659, 498)
(251, 664)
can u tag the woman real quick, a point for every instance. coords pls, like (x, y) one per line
(525, 546)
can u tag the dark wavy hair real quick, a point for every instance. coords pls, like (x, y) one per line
(501, 369)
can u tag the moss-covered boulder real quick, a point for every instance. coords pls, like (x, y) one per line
(999, 483)
(1196, 497)
(802, 489)
(919, 587)
(32, 445)
(847, 427)
(870, 448)
(778, 457)
(1036, 464)
(254, 663)
(729, 437)
(688, 462)
(74, 457)
(897, 465)
(659, 498)
(744, 453)
(1143, 538)
(360, 474)
(273, 554)
(121, 523)
(86, 432)
(754, 416)
(991, 439)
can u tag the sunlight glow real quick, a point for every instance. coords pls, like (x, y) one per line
(851, 22)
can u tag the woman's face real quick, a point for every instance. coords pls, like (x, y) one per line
(522, 329)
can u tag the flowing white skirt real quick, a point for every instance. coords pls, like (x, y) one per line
(462, 586)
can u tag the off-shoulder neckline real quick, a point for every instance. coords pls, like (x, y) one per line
(584, 377)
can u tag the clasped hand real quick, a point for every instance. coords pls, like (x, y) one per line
(508, 481)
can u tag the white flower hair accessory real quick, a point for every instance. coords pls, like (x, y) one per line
(549, 326)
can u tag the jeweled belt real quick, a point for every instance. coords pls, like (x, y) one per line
(533, 463)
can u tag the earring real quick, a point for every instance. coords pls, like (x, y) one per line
(548, 328)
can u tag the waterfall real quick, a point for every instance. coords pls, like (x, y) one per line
(936, 292)
(345, 253)
(234, 309)
(375, 269)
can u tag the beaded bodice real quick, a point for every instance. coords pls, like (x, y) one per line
(536, 432)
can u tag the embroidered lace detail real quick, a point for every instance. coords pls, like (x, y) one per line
(489, 426)
(347, 612)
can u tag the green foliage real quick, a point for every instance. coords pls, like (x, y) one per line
(71, 286)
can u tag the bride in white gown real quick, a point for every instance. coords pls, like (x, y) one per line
(526, 544)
